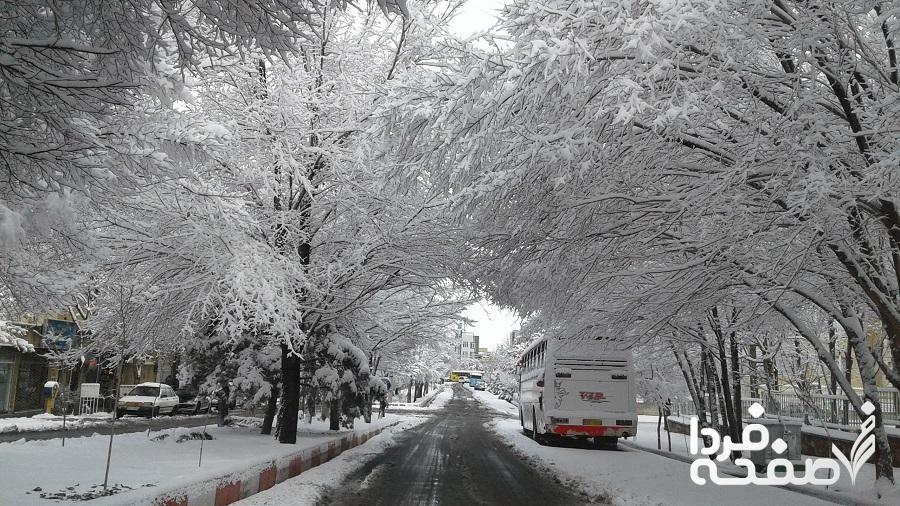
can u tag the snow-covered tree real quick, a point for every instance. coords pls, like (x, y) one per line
(623, 164)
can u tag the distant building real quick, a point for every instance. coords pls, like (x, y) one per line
(482, 352)
(468, 345)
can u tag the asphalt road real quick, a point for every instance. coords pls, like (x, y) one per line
(123, 426)
(451, 460)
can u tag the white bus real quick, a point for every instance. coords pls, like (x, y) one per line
(577, 388)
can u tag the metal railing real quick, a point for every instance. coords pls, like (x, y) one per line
(86, 404)
(814, 409)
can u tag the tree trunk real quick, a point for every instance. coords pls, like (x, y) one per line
(694, 389)
(728, 406)
(667, 410)
(884, 461)
(832, 378)
(711, 390)
(848, 375)
(754, 377)
(367, 408)
(223, 396)
(770, 374)
(290, 397)
(736, 386)
(334, 416)
(271, 408)
(311, 396)
(658, 431)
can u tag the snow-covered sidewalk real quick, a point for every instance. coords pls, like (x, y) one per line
(632, 477)
(44, 422)
(309, 487)
(50, 423)
(843, 489)
(143, 466)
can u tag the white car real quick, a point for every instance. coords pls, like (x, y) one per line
(148, 399)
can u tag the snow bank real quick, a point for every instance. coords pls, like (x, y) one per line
(496, 404)
(44, 422)
(437, 398)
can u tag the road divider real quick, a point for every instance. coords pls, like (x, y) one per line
(241, 483)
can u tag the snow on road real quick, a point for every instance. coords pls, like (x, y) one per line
(311, 485)
(630, 477)
(145, 463)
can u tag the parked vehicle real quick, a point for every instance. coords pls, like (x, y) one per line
(480, 386)
(148, 399)
(190, 402)
(475, 378)
(590, 390)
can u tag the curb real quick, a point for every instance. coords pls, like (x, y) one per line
(234, 486)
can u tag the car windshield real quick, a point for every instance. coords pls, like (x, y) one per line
(144, 391)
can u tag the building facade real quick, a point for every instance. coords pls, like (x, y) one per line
(468, 345)
(22, 374)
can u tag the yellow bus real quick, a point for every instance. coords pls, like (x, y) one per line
(455, 375)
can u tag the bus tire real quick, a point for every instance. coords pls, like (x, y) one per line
(534, 429)
(606, 443)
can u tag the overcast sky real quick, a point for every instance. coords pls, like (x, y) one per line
(493, 324)
(476, 15)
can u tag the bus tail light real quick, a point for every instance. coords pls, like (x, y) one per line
(563, 375)
(624, 422)
(540, 383)
(558, 421)
(619, 376)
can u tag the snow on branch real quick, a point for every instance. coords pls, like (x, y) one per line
(9, 336)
